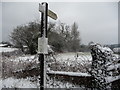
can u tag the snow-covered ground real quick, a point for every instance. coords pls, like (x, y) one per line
(24, 58)
(111, 79)
(7, 49)
(79, 57)
(27, 83)
(82, 57)
(17, 83)
(1, 45)
(117, 56)
(11, 82)
(111, 67)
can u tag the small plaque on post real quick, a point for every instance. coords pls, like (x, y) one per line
(42, 45)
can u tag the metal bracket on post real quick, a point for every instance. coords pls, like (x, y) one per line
(42, 45)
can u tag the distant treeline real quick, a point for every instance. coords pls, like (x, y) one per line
(113, 46)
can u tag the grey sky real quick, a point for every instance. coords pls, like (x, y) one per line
(119, 22)
(97, 22)
(0, 22)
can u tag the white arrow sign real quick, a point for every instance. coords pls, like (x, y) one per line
(50, 13)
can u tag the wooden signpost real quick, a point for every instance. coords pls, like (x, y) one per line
(43, 41)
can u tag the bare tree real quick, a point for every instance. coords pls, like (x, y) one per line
(26, 35)
(63, 39)
(75, 40)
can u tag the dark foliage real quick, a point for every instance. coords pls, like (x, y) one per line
(61, 37)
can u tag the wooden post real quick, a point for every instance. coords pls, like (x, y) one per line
(43, 30)
(43, 41)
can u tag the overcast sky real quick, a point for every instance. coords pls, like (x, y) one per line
(97, 22)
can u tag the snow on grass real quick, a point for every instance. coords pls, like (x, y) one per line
(111, 78)
(53, 83)
(1, 45)
(117, 56)
(69, 57)
(19, 63)
(73, 62)
(7, 49)
(17, 83)
(27, 83)
(25, 58)
(111, 67)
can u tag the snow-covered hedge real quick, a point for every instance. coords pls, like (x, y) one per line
(103, 60)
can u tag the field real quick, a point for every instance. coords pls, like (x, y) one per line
(22, 71)
(6, 49)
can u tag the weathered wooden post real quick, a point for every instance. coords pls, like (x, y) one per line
(43, 41)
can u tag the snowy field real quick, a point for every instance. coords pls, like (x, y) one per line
(28, 83)
(24, 58)
(73, 56)
(82, 57)
(69, 58)
(7, 49)
(17, 83)
(21, 62)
